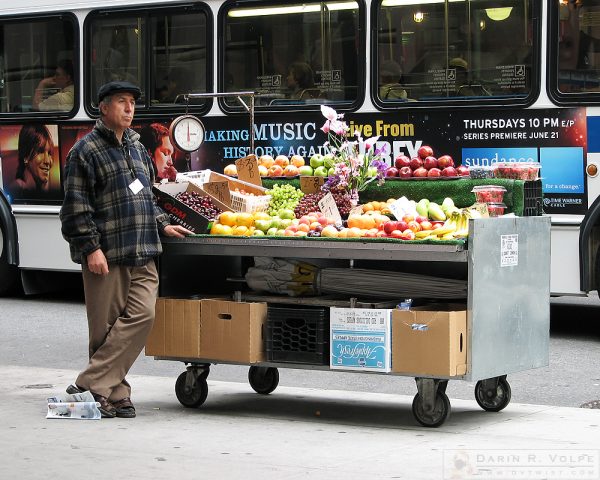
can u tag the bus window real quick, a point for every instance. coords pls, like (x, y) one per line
(36, 64)
(578, 46)
(173, 44)
(449, 50)
(293, 54)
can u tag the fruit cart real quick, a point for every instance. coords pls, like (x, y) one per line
(506, 264)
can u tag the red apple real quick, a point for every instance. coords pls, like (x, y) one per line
(434, 172)
(391, 172)
(420, 218)
(396, 234)
(408, 234)
(445, 161)
(415, 163)
(401, 161)
(405, 172)
(430, 162)
(449, 172)
(426, 225)
(462, 171)
(425, 151)
(401, 225)
(420, 172)
(389, 227)
(414, 226)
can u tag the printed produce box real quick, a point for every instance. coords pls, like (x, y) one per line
(360, 339)
(179, 212)
(430, 340)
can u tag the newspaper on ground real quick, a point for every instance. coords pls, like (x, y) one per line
(79, 406)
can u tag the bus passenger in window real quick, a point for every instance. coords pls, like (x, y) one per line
(35, 162)
(63, 100)
(390, 74)
(155, 137)
(300, 81)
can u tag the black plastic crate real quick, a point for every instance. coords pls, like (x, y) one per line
(298, 335)
(533, 205)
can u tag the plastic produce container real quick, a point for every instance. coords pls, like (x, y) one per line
(496, 209)
(489, 193)
(518, 170)
(483, 171)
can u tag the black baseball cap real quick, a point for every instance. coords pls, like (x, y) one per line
(111, 88)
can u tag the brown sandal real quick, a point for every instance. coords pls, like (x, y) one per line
(124, 408)
(106, 408)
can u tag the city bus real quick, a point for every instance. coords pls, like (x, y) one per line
(484, 81)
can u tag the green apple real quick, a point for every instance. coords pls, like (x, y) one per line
(275, 222)
(305, 170)
(320, 171)
(285, 222)
(329, 160)
(258, 233)
(280, 233)
(271, 232)
(316, 160)
(286, 213)
(331, 171)
(263, 225)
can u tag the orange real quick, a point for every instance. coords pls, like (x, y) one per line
(245, 219)
(368, 207)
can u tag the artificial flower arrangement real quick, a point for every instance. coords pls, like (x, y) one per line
(356, 162)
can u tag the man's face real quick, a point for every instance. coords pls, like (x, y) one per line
(118, 114)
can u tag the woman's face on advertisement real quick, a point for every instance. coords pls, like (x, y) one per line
(163, 154)
(40, 163)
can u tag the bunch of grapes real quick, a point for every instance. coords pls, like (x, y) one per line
(283, 197)
(309, 203)
(199, 203)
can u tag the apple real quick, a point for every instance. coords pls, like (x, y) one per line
(290, 171)
(449, 172)
(426, 225)
(329, 160)
(420, 218)
(329, 231)
(285, 223)
(271, 232)
(415, 163)
(420, 172)
(276, 171)
(263, 171)
(276, 222)
(401, 161)
(305, 170)
(282, 160)
(297, 161)
(389, 227)
(258, 233)
(408, 234)
(263, 225)
(391, 172)
(316, 160)
(434, 172)
(414, 226)
(396, 234)
(445, 161)
(266, 160)
(425, 151)
(462, 171)
(405, 172)
(331, 171)
(401, 225)
(430, 162)
(286, 213)
(320, 172)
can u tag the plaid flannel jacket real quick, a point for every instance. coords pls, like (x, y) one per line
(100, 210)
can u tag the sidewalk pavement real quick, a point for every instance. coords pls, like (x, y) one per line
(292, 433)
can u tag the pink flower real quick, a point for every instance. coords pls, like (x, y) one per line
(329, 113)
(326, 127)
(369, 142)
(339, 128)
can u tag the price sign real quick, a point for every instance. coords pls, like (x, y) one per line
(396, 209)
(358, 210)
(219, 190)
(329, 208)
(310, 184)
(247, 170)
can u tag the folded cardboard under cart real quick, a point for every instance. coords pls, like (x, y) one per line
(502, 328)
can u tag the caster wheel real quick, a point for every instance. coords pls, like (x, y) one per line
(493, 400)
(263, 379)
(191, 397)
(438, 416)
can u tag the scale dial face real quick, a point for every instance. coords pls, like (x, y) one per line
(187, 133)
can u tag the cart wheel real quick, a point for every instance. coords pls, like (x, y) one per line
(263, 379)
(191, 397)
(440, 412)
(493, 400)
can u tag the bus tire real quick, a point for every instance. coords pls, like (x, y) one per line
(8, 273)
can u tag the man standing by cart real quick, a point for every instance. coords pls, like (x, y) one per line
(112, 224)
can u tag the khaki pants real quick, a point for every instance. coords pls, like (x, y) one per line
(120, 311)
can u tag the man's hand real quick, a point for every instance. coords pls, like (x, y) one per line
(176, 231)
(96, 262)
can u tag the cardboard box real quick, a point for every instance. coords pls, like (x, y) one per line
(430, 342)
(179, 212)
(176, 330)
(360, 339)
(233, 331)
